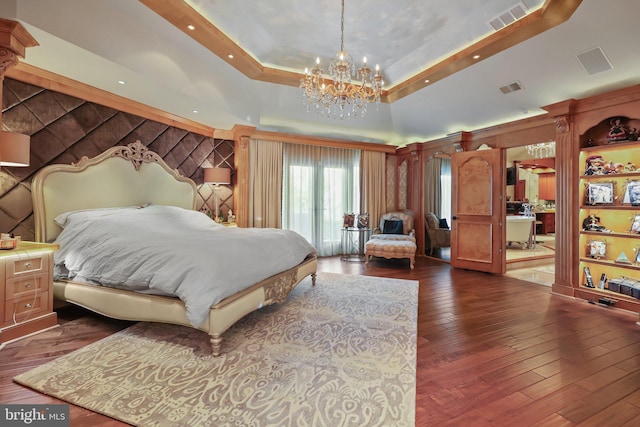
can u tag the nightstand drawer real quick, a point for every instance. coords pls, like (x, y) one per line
(27, 264)
(25, 307)
(26, 285)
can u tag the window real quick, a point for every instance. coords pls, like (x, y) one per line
(319, 184)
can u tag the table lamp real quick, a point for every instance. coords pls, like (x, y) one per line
(217, 176)
(14, 149)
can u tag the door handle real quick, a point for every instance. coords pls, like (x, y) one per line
(453, 217)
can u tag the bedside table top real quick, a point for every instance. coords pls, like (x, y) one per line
(29, 247)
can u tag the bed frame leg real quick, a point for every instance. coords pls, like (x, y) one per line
(313, 279)
(216, 344)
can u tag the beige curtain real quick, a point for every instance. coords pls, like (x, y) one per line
(432, 191)
(373, 185)
(265, 184)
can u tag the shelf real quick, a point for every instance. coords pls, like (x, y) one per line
(611, 175)
(609, 294)
(612, 207)
(612, 234)
(621, 144)
(610, 263)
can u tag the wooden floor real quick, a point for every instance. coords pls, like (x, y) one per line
(492, 351)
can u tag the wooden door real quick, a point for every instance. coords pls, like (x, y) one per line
(547, 186)
(477, 235)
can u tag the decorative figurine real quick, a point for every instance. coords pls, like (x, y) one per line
(592, 223)
(595, 165)
(231, 217)
(617, 132)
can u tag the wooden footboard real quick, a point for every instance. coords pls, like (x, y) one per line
(275, 289)
(129, 305)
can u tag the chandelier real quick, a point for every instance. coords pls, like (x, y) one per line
(338, 97)
(542, 150)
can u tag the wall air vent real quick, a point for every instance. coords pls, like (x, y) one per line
(514, 13)
(594, 61)
(511, 87)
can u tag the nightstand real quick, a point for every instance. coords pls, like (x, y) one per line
(26, 290)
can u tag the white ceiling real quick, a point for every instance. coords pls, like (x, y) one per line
(100, 42)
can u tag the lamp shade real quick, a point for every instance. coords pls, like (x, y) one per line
(217, 175)
(14, 149)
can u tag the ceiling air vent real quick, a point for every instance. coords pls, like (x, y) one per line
(594, 61)
(512, 87)
(514, 13)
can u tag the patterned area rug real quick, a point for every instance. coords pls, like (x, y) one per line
(342, 353)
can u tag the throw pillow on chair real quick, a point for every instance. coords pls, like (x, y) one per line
(392, 226)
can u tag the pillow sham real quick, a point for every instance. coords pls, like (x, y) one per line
(63, 219)
(392, 226)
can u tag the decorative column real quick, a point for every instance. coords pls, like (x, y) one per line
(567, 198)
(241, 164)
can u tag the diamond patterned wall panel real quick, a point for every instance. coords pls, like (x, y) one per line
(63, 129)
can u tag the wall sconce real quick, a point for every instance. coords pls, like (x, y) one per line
(14, 149)
(217, 176)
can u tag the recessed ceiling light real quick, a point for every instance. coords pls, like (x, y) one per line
(195, 111)
(191, 27)
(122, 82)
(427, 81)
(476, 56)
(230, 56)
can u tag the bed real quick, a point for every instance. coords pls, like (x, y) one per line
(126, 184)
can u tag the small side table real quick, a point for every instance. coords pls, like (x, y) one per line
(352, 243)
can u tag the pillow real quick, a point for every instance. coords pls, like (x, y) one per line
(392, 226)
(63, 218)
(443, 223)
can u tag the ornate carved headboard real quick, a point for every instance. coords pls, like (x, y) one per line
(128, 175)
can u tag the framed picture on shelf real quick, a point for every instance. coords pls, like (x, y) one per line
(363, 220)
(632, 193)
(600, 193)
(635, 224)
(597, 249)
(348, 220)
(637, 260)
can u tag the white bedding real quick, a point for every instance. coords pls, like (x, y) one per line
(173, 251)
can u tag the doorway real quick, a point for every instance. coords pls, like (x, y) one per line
(530, 190)
(437, 206)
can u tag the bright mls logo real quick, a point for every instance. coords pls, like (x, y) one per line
(34, 415)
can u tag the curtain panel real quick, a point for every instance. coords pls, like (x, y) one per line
(374, 186)
(432, 190)
(265, 183)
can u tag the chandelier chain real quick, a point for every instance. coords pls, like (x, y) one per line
(342, 28)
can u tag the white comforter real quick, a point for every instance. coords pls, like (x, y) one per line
(174, 251)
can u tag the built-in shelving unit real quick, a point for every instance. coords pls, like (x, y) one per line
(609, 171)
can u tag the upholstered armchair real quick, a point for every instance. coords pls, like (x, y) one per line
(394, 238)
(438, 237)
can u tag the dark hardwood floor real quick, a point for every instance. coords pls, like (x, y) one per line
(492, 351)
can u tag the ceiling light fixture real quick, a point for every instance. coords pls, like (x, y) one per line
(338, 97)
(542, 150)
